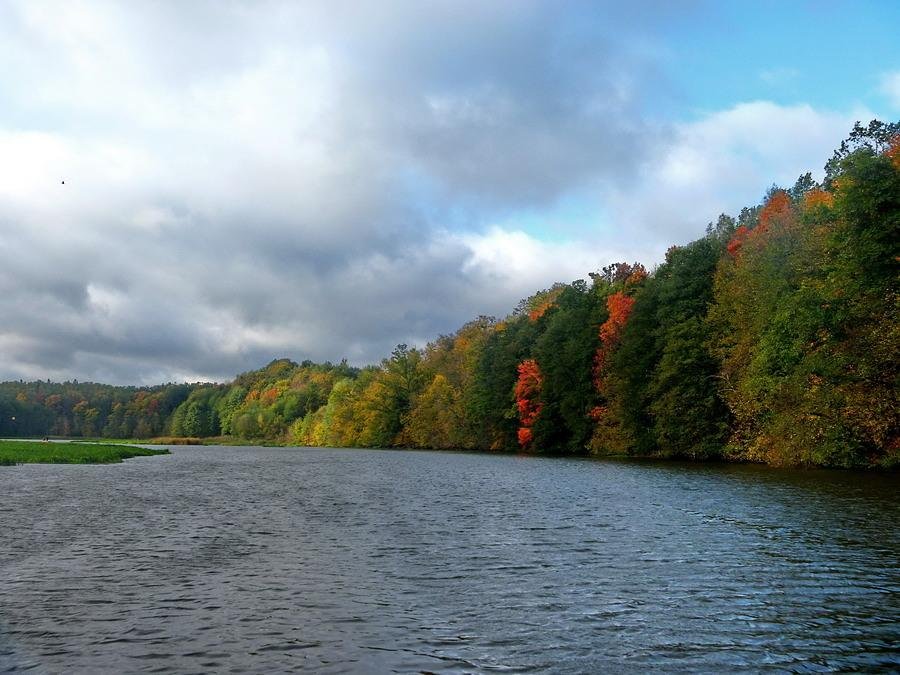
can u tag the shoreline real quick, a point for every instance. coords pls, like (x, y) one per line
(165, 442)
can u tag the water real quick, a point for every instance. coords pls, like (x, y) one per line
(267, 560)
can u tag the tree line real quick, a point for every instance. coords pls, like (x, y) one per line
(773, 338)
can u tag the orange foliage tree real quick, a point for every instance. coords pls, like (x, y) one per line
(816, 199)
(619, 307)
(606, 431)
(777, 208)
(777, 211)
(893, 151)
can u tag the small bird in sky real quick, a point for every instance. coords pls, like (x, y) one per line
(64, 182)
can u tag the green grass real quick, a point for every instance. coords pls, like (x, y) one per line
(22, 452)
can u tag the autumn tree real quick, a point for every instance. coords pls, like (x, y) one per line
(490, 404)
(565, 349)
(528, 399)
(805, 314)
(436, 421)
(608, 433)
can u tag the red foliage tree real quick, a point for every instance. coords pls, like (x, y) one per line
(525, 436)
(528, 403)
(737, 241)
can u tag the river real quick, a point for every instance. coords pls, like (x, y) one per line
(224, 559)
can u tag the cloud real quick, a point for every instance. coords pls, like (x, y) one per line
(723, 161)
(254, 180)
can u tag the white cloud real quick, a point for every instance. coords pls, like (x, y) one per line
(726, 160)
(514, 260)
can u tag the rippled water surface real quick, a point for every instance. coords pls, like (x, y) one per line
(272, 559)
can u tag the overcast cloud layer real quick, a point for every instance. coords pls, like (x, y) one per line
(248, 181)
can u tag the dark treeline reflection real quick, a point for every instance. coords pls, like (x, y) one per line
(774, 338)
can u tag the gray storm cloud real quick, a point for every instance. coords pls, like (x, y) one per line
(251, 180)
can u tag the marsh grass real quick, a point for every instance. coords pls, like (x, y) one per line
(31, 452)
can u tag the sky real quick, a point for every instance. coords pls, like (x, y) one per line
(246, 181)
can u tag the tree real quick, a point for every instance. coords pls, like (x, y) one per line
(608, 434)
(869, 141)
(565, 349)
(436, 418)
(528, 399)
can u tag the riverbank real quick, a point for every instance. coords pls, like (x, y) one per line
(38, 452)
(888, 465)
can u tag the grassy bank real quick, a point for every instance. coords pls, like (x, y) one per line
(31, 452)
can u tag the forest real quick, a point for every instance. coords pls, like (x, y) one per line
(773, 338)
